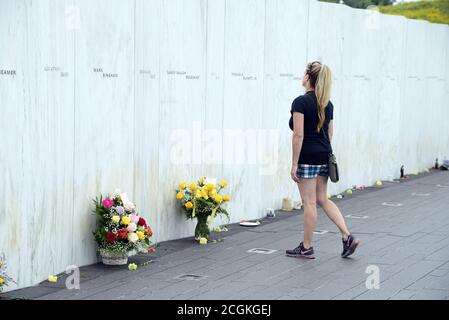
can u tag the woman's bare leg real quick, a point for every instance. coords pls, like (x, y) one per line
(307, 188)
(329, 206)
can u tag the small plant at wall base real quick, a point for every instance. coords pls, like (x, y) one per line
(203, 200)
(5, 280)
(120, 232)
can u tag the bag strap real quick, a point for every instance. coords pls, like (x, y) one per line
(327, 138)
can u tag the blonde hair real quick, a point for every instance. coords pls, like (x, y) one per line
(321, 80)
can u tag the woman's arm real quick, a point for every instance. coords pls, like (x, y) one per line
(298, 136)
(331, 129)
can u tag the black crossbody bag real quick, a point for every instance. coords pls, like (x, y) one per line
(333, 167)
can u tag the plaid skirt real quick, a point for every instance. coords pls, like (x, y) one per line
(309, 171)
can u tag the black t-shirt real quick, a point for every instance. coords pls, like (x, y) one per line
(315, 147)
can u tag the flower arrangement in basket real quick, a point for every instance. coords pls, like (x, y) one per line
(203, 201)
(120, 231)
(5, 280)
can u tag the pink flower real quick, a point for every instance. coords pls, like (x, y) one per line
(134, 218)
(132, 227)
(107, 203)
(150, 250)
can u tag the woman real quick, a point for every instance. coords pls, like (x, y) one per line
(311, 120)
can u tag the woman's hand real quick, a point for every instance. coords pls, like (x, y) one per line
(293, 173)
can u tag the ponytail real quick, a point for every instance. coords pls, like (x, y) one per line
(323, 93)
(321, 79)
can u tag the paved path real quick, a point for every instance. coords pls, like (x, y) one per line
(408, 243)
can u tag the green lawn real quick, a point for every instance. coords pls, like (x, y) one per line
(436, 11)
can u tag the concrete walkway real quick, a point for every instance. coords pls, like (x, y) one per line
(403, 226)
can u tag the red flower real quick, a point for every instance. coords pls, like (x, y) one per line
(123, 234)
(152, 250)
(149, 231)
(111, 237)
(142, 222)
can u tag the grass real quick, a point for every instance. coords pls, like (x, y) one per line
(436, 11)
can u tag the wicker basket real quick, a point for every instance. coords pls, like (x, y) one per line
(114, 259)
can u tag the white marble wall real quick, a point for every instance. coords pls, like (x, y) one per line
(284, 59)
(105, 93)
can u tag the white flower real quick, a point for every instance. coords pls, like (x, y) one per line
(132, 237)
(124, 198)
(116, 193)
(129, 206)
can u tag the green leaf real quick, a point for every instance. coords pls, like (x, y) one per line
(212, 216)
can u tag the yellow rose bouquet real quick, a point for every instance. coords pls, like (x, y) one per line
(203, 200)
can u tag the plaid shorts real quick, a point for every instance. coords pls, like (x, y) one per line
(312, 170)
